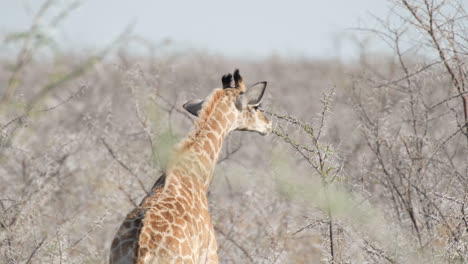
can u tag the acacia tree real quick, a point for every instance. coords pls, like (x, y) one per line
(415, 124)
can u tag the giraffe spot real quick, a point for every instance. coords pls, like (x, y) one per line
(152, 216)
(163, 253)
(186, 182)
(128, 234)
(222, 120)
(179, 261)
(215, 126)
(162, 228)
(167, 216)
(172, 189)
(187, 218)
(205, 161)
(143, 251)
(172, 244)
(179, 207)
(143, 238)
(185, 196)
(231, 117)
(185, 192)
(167, 205)
(127, 224)
(115, 243)
(158, 221)
(185, 248)
(177, 231)
(214, 140)
(208, 149)
(127, 245)
(155, 239)
(180, 222)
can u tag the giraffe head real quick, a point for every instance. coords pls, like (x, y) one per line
(243, 102)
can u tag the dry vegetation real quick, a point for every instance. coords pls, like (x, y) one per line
(368, 162)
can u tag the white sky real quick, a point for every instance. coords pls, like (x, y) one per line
(234, 28)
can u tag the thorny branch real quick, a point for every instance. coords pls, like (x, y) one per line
(318, 156)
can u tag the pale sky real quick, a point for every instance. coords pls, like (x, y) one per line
(233, 28)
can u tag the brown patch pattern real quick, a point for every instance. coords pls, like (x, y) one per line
(172, 224)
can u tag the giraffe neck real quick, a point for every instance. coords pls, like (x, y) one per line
(197, 155)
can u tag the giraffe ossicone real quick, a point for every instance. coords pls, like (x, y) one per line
(172, 224)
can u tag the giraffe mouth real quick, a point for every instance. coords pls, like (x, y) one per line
(267, 132)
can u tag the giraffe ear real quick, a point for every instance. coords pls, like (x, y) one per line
(254, 94)
(194, 106)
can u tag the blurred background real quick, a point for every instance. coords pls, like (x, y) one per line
(244, 29)
(367, 163)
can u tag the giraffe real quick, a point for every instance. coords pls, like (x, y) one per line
(172, 224)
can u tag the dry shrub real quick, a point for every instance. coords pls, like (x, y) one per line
(367, 163)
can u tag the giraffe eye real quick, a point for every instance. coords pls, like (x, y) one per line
(256, 107)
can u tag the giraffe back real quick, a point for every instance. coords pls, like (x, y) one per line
(177, 226)
(124, 248)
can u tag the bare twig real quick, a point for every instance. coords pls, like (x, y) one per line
(38, 246)
(235, 243)
(130, 171)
